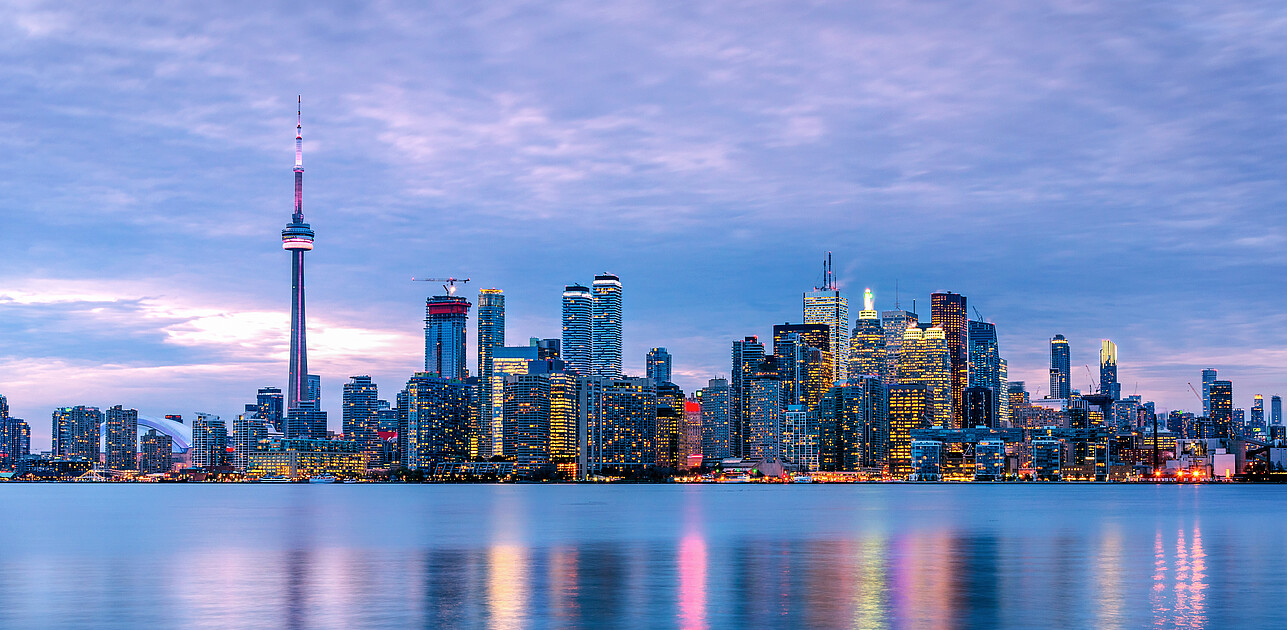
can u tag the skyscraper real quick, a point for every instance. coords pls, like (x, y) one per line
(804, 362)
(671, 417)
(1222, 408)
(1258, 412)
(445, 317)
(1208, 377)
(894, 324)
(909, 409)
(437, 421)
(361, 423)
(985, 362)
(209, 441)
(249, 435)
(825, 304)
(716, 410)
(867, 343)
(491, 334)
(158, 454)
(270, 407)
(578, 310)
(297, 238)
(980, 407)
(747, 356)
(76, 432)
(122, 438)
(605, 329)
(926, 359)
(854, 425)
(1108, 384)
(948, 312)
(658, 365)
(1060, 368)
(15, 438)
(1276, 410)
(620, 419)
(762, 419)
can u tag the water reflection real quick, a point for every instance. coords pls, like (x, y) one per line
(699, 571)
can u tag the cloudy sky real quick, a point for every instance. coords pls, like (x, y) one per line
(1093, 169)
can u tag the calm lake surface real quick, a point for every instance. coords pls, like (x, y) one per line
(642, 556)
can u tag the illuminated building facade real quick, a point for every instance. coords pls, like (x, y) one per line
(249, 434)
(895, 323)
(209, 441)
(296, 459)
(989, 460)
(491, 335)
(15, 439)
(158, 452)
(76, 432)
(1060, 368)
(445, 318)
(948, 313)
(578, 309)
(361, 424)
(762, 424)
(122, 438)
(438, 420)
(927, 460)
(657, 365)
(804, 362)
(506, 361)
(270, 407)
(748, 354)
(1276, 410)
(716, 409)
(853, 425)
(980, 406)
(867, 343)
(1258, 412)
(1108, 384)
(926, 359)
(1047, 459)
(527, 422)
(800, 438)
(910, 408)
(1222, 408)
(671, 441)
(985, 362)
(620, 416)
(827, 305)
(605, 327)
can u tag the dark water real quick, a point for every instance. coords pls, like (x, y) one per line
(862, 556)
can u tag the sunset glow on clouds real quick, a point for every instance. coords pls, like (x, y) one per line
(1086, 168)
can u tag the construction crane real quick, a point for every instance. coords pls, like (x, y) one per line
(977, 313)
(450, 287)
(1093, 387)
(1201, 403)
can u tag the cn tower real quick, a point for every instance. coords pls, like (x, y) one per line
(297, 238)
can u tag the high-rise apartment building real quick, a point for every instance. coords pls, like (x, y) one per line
(1003, 393)
(491, 335)
(360, 414)
(948, 313)
(1222, 408)
(445, 318)
(1108, 384)
(249, 435)
(605, 328)
(657, 365)
(209, 441)
(894, 324)
(620, 419)
(762, 421)
(716, 409)
(826, 304)
(15, 439)
(926, 359)
(1208, 377)
(578, 310)
(1258, 412)
(671, 437)
(122, 438)
(527, 422)
(748, 354)
(506, 361)
(438, 419)
(158, 452)
(909, 410)
(1060, 368)
(799, 446)
(76, 432)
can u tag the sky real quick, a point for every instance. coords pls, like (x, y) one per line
(1094, 169)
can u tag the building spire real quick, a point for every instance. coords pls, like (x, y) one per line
(299, 134)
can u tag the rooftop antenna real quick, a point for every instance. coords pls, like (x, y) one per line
(897, 305)
(828, 278)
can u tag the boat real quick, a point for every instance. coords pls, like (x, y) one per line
(350, 481)
(802, 479)
(274, 480)
(322, 479)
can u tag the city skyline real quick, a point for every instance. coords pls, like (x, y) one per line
(132, 318)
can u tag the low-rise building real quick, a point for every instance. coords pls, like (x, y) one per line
(296, 458)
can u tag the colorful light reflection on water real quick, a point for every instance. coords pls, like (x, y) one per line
(693, 557)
